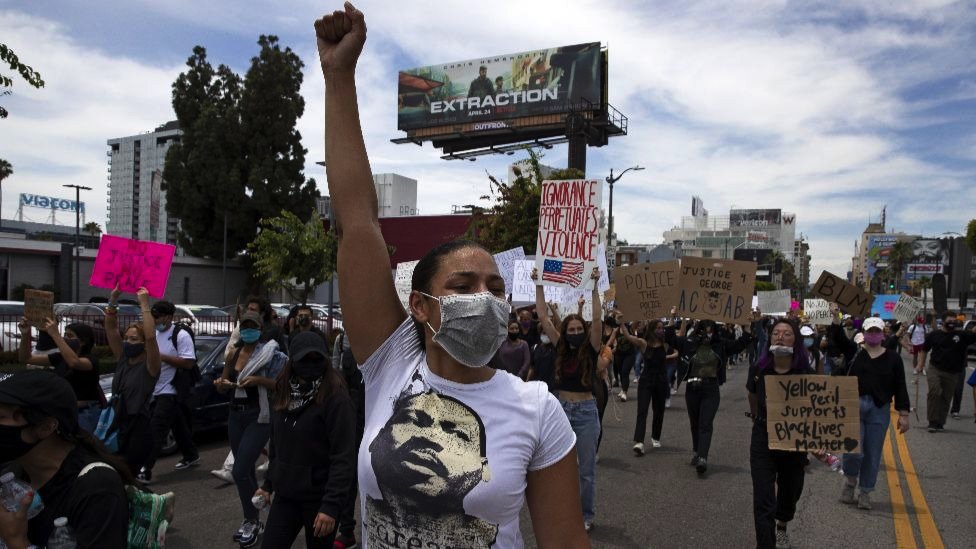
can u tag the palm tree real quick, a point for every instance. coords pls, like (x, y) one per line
(900, 255)
(93, 229)
(6, 170)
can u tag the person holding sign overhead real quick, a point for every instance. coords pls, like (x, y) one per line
(451, 449)
(880, 378)
(777, 475)
(577, 377)
(652, 386)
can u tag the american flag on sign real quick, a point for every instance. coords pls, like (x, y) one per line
(563, 272)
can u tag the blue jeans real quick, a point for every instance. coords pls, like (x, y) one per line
(874, 427)
(585, 420)
(638, 363)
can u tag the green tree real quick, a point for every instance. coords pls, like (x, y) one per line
(6, 170)
(970, 235)
(762, 286)
(32, 77)
(512, 220)
(899, 257)
(239, 158)
(93, 229)
(289, 249)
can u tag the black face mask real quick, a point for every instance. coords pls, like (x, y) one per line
(12, 446)
(304, 321)
(575, 340)
(513, 336)
(73, 344)
(132, 350)
(308, 369)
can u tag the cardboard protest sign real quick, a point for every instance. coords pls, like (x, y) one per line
(132, 264)
(523, 287)
(848, 297)
(38, 305)
(716, 289)
(907, 309)
(817, 311)
(403, 280)
(569, 222)
(646, 291)
(774, 302)
(506, 265)
(811, 413)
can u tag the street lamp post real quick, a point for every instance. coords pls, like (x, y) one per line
(611, 180)
(78, 189)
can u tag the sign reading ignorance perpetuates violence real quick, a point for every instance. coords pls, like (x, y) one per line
(848, 297)
(716, 289)
(647, 291)
(38, 305)
(569, 222)
(132, 264)
(811, 413)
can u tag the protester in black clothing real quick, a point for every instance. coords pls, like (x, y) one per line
(948, 348)
(300, 320)
(893, 333)
(704, 353)
(652, 386)
(811, 343)
(528, 328)
(544, 363)
(39, 433)
(312, 450)
(344, 363)
(72, 361)
(777, 475)
(623, 360)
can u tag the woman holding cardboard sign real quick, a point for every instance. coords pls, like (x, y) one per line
(777, 475)
(652, 386)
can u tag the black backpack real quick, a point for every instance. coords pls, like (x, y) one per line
(185, 378)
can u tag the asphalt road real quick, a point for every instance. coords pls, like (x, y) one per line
(923, 499)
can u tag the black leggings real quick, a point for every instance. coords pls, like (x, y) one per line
(601, 394)
(135, 440)
(702, 399)
(622, 364)
(652, 391)
(777, 483)
(287, 517)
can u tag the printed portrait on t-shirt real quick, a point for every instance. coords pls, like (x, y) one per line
(427, 457)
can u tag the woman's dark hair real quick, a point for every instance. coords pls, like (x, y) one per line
(650, 331)
(427, 268)
(583, 355)
(801, 361)
(332, 383)
(85, 334)
(264, 308)
(139, 329)
(87, 442)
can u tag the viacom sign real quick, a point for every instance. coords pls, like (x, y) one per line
(49, 202)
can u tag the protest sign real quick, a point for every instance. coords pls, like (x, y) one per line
(569, 304)
(603, 284)
(776, 302)
(848, 297)
(403, 280)
(506, 265)
(907, 309)
(569, 221)
(132, 264)
(523, 287)
(817, 312)
(811, 413)
(716, 289)
(884, 306)
(38, 305)
(646, 291)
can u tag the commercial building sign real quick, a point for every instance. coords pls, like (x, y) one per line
(755, 218)
(49, 202)
(515, 85)
(879, 248)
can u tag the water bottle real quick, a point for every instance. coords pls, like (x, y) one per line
(259, 502)
(12, 491)
(830, 460)
(62, 537)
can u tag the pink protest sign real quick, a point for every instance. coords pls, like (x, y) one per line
(132, 264)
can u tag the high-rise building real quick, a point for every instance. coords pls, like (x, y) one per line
(136, 201)
(396, 195)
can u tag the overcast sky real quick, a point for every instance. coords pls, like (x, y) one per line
(830, 112)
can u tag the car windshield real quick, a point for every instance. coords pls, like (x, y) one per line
(208, 312)
(204, 346)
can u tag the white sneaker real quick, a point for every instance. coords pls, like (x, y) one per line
(263, 468)
(655, 443)
(622, 395)
(667, 403)
(224, 475)
(674, 391)
(638, 449)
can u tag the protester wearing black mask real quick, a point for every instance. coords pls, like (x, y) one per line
(312, 451)
(948, 347)
(513, 356)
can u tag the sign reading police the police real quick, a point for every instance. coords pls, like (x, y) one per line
(716, 289)
(569, 232)
(810, 413)
(647, 291)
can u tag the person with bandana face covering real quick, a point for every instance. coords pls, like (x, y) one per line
(250, 375)
(466, 437)
(72, 361)
(880, 379)
(137, 369)
(313, 448)
(39, 432)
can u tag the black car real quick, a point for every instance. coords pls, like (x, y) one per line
(209, 407)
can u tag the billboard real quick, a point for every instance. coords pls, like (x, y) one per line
(490, 89)
(929, 257)
(755, 218)
(879, 248)
(50, 202)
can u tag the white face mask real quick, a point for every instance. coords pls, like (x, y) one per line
(473, 326)
(544, 339)
(781, 350)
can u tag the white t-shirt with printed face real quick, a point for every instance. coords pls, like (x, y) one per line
(444, 464)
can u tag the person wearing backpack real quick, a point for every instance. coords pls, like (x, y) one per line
(40, 436)
(177, 353)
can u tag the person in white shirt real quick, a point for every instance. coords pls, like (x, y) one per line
(917, 332)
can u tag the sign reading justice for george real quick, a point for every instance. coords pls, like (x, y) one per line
(716, 289)
(812, 413)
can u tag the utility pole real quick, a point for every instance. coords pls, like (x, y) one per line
(78, 189)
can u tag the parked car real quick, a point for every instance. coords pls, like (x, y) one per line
(10, 315)
(206, 319)
(209, 407)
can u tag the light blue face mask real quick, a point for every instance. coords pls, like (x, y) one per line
(250, 335)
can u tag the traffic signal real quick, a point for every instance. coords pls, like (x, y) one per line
(891, 284)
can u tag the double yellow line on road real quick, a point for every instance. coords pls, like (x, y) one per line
(904, 534)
